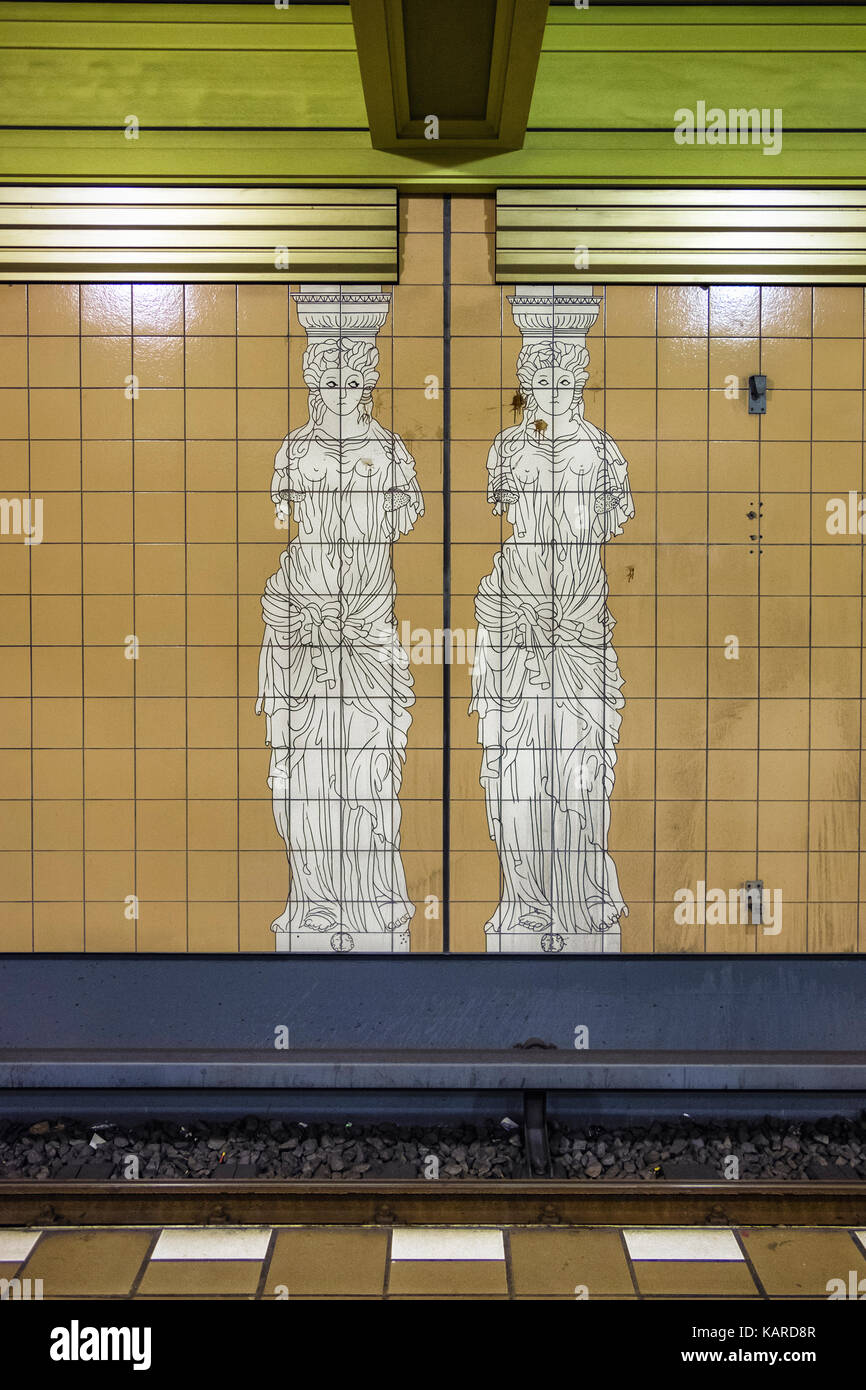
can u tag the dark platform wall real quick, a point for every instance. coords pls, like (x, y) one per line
(218, 1002)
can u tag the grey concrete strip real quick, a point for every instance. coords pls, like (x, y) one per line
(490, 1071)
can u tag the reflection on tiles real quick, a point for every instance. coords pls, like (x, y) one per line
(457, 1243)
(15, 1246)
(193, 1243)
(682, 1243)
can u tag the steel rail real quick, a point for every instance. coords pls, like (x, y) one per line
(543, 1202)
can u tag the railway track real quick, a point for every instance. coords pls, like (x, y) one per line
(462, 1202)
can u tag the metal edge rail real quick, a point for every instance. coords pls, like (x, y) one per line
(520, 1068)
(466, 1202)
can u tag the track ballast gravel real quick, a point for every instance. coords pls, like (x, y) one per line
(828, 1150)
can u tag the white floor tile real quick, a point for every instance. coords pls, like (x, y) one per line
(202, 1243)
(16, 1245)
(452, 1243)
(682, 1243)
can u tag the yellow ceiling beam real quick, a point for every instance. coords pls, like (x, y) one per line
(687, 236)
(186, 234)
(446, 74)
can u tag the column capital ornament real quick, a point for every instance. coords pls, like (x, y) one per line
(554, 311)
(341, 311)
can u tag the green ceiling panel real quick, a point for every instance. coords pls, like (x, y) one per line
(263, 95)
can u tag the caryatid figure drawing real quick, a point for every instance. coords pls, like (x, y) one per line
(546, 684)
(334, 680)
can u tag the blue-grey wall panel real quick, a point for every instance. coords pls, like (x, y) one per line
(626, 1003)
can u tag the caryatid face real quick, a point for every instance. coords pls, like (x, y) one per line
(553, 389)
(341, 390)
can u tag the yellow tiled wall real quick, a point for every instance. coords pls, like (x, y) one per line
(147, 777)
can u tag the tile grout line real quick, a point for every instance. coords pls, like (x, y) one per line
(811, 601)
(630, 1262)
(445, 944)
(386, 1278)
(708, 580)
(237, 629)
(507, 1259)
(759, 507)
(137, 918)
(264, 1272)
(81, 613)
(185, 622)
(858, 946)
(748, 1261)
(655, 598)
(156, 1232)
(30, 614)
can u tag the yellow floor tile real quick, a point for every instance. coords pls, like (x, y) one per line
(792, 1263)
(563, 1298)
(88, 1262)
(207, 1277)
(555, 1262)
(706, 1298)
(328, 1262)
(448, 1298)
(191, 1298)
(714, 1278)
(453, 1277)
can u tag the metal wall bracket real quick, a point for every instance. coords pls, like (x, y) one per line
(754, 891)
(757, 395)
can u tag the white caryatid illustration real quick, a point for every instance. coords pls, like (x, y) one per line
(334, 680)
(546, 684)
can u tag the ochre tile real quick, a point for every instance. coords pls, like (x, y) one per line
(53, 308)
(555, 1263)
(185, 470)
(263, 309)
(786, 311)
(13, 308)
(734, 310)
(328, 1261)
(695, 1278)
(200, 1278)
(454, 1277)
(106, 309)
(837, 312)
(157, 309)
(88, 1262)
(795, 1263)
(630, 310)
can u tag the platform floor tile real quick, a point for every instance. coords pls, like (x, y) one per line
(328, 1262)
(91, 1262)
(556, 1264)
(791, 1262)
(15, 1245)
(363, 1263)
(201, 1278)
(452, 1277)
(681, 1243)
(694, 1279)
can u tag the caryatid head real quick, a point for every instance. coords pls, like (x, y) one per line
(341, 374)
(552, 377)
